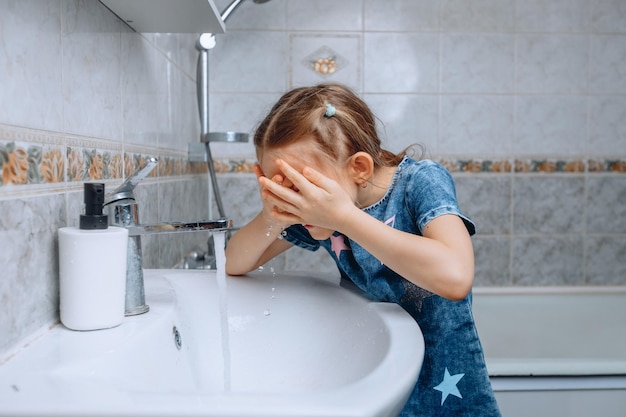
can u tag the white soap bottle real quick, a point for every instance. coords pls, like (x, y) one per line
(92, 268)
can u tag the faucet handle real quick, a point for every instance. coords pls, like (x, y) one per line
(125, 191)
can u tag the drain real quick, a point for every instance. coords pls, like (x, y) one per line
(178, 340)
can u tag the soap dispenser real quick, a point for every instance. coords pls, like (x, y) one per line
(92, 268)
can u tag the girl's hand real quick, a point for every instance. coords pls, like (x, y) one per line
(268, 206)
(312, 199)
(259, 240)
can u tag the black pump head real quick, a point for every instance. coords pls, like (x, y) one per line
(94, 200)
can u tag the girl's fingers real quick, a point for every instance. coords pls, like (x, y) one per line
(278, 178)
(308, 177)
(281, 209)
(280, 191)
(317, 178)
(297, 179)
(281, 180)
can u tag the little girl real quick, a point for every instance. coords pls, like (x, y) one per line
(392, 224)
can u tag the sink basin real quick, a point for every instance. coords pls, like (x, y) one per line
(272, 344)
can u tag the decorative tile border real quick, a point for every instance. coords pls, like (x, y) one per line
(29, 157)
(25, 164)
(475, 165)
(50, 160)
(612, 165)
(517, 166)
(85, 164)
(530, 166)
(22, 164)
(233, 166)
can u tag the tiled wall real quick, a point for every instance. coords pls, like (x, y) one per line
(523, 100)
(83, 98)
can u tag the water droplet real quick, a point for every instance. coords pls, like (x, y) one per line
(267, 312)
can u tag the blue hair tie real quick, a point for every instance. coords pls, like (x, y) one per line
(330, 110)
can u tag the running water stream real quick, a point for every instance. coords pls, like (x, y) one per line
(220, 270)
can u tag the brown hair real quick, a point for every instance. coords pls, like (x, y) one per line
(301, 112)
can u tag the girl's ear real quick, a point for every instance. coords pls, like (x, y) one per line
(361, 167)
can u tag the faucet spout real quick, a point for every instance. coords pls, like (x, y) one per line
(219, 225)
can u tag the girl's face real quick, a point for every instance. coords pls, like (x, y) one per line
(301, 154)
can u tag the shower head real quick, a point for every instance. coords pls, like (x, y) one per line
(232, 6)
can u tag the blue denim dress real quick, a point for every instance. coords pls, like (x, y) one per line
(453, 380)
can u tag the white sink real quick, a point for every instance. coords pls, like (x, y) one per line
(275, 345)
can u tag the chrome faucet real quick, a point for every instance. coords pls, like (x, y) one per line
(124, 212)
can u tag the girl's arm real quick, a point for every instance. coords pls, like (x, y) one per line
(440, 261)
(253, 245)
